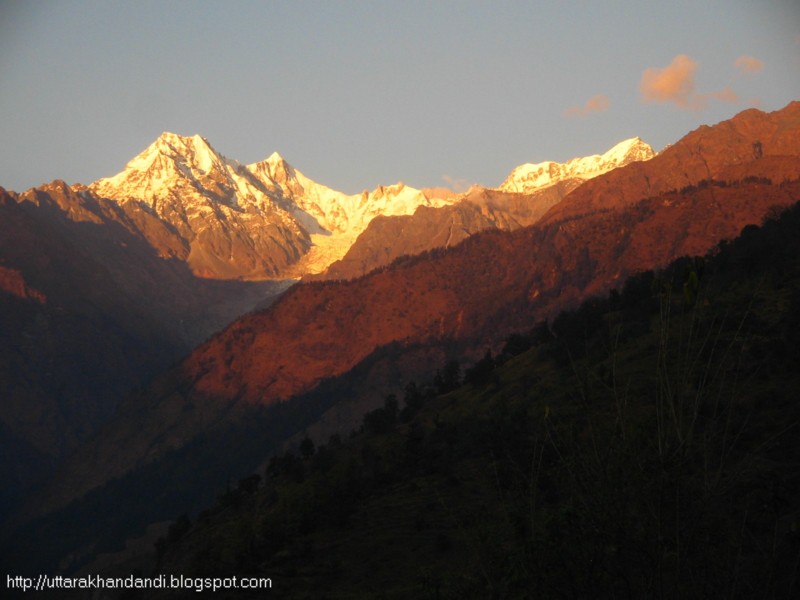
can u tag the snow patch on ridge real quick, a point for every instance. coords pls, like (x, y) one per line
(335, 212)
(530, 177)
(196, 189)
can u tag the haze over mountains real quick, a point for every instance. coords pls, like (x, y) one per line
(424, 277)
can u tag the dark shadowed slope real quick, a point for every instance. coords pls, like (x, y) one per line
(89, 311)
(645, 447)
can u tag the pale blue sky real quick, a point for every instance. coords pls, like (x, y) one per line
(358, 94)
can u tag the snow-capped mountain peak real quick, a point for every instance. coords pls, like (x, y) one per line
(334, 218)
(275, 170)
(171, 162)
(276, 158)
(223, 211)
(335, 211)
(194, 151)
(627, 151)
(531, 177)
(231, 223)
(195, 148)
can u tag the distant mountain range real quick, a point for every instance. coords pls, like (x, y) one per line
(522, 199)
(422, 277)
(268, 220)
(130, 261)
(254, 222)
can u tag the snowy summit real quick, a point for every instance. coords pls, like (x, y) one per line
(530, 177)
(223, 211)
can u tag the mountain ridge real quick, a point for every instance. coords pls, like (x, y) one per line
(487, 287)
(566, 430)
(190, 205)
(526, 195)
(90, 310)
(219, 208)
(476, 290)
(720, 151)
(447, 303)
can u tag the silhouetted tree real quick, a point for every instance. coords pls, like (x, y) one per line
(448, 378)
(179, 528)
(383, 419)
(288, 467)
(250, 484)
(481, 372)
(516, 344)
(307, 448)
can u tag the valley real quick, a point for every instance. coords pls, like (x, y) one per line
(187, 322)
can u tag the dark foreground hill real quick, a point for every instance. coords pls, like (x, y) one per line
(644, 439)
(642, 445)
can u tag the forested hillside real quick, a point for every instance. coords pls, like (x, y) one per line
(643, 445)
